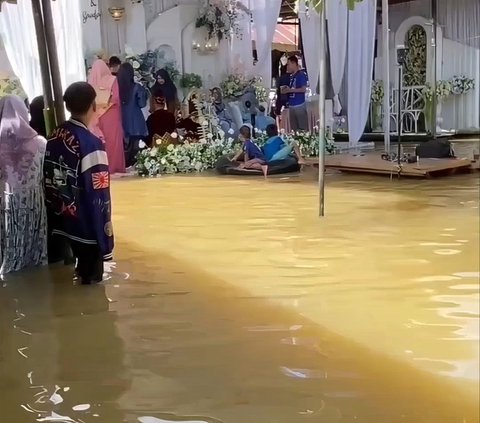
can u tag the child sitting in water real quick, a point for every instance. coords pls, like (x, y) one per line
(253, 157)
(277, 149)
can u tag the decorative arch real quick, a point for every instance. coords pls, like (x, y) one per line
(426, 24)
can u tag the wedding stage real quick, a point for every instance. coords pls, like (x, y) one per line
(372, 163)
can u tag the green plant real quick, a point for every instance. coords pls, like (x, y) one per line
(317, 5)
(191, 80)
(171, 68)
(415, 68)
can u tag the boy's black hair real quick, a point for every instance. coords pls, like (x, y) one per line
(79, 97)
(272, 130)
(261, 109)
(114, 61)
(293, 59)
(245, 131)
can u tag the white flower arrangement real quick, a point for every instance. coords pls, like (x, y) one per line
(220, 17)
(377, 92)
(188, 156)
(460, 84)
(442, 91)
(236, 84)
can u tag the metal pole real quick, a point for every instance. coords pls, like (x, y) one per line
(386, 75)
(44, 66)
(399, 114)
(435, 76)
(321, 109)
(53, 58)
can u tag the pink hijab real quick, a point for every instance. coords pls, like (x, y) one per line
(100, 76)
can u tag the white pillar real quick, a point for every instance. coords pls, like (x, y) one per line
(386, 74)
(321, 108)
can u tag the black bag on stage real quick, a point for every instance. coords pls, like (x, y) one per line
(435, 149)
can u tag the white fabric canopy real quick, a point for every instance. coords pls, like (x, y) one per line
(311, 27)
(337, 18)
(21, 45)
(265, 14)
(361, 43)
(241, 54)
(22, 48)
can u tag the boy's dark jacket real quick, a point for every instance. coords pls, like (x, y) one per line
(77, 187)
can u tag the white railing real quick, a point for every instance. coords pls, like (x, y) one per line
(412, 113)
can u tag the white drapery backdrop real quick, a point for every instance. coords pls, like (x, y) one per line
(241, 54)
(265, 14)
(361, 44)
(22, 48)
(311, 27)
(21, 45)
(337, 21)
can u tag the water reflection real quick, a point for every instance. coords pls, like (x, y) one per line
(69, 364)
(231, 302)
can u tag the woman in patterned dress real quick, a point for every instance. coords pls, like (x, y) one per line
(23, 229)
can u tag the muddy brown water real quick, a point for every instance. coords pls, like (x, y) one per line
(230, 301)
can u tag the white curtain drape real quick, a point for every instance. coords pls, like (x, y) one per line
(68, 34)
(460, 21)
(265, 14)
(337, 18)
(361, 43)
(241, 54)
(22, 49)
(21, 45)
(311, 27)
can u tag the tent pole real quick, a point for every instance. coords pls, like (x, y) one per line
(53, 58)
(386, 74)
(321, 109)
(44, 67)
(435, 76)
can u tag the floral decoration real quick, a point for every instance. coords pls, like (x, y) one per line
(145, 65)
(11, 86)
(415, 68)
(191, 80)
(236, 84)
(220, 18)
(460, 84)
(377, 92)
(189, 156)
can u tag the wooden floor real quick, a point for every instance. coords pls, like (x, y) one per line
(372, 163)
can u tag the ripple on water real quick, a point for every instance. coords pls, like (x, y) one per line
(468, 275)
(149, 419)
(438, 278)
(447, 252)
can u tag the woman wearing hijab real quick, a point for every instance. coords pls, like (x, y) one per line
(161, 121)
(37, 118)
(109, 120)
(133, 98)
(223, 113)
(166, 85)
(23, 227)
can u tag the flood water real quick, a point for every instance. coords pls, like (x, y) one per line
(231, 301)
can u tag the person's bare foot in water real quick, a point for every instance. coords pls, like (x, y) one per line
(265, 170)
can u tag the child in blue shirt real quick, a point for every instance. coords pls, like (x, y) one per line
(253, 157)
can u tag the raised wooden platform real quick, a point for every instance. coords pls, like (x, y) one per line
(372, 163)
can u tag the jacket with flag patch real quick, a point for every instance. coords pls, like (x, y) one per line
(77, 187)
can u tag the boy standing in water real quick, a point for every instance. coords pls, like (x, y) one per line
(253, 157)
(77, 186)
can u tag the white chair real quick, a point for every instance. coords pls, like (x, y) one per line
(236, 115)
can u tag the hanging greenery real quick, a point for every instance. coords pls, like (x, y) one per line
(415, 68)
(317, 5)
